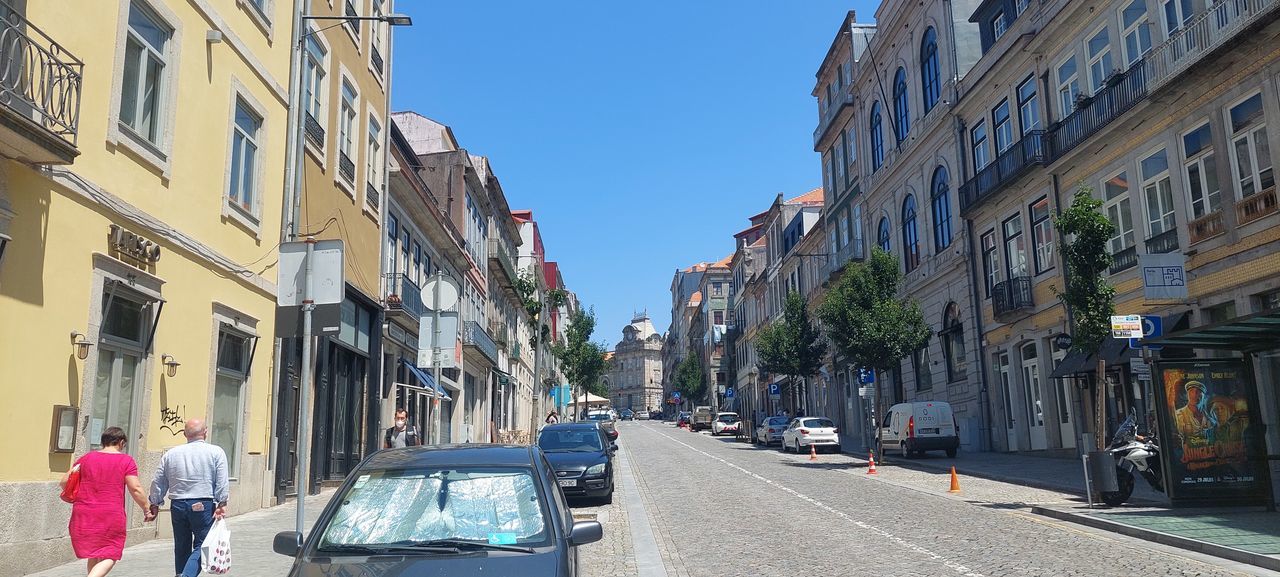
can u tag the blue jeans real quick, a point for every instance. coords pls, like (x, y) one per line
(189, 530)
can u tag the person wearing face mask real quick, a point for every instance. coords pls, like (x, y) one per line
(403, 434)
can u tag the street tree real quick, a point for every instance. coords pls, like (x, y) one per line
(582, 360)
(792, 345)
(690, 380)
(1084, 233)
(867, 321)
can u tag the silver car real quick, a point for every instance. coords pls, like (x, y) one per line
(770, 431)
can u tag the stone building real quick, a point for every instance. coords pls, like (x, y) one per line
(635, 376)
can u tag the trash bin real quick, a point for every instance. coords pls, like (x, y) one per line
(1101, 470)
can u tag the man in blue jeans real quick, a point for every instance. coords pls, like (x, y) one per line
(194, 477)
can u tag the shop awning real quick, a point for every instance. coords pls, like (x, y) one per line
(503, 378)
(428, 382)
(1114, 351)
(1247, 334)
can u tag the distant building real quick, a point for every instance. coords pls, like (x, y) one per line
(635, 375)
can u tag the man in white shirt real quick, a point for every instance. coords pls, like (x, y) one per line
(194, 477)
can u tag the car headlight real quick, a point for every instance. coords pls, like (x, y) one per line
(597, 469)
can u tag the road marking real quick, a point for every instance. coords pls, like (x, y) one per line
(947, 562)
(643, 544)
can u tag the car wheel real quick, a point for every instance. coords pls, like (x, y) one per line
(607, 499)
(951, 453)
(906, 452)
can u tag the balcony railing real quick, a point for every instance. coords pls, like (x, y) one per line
(1012, 296)
(315, 132)
(849, 252)
(1206, 227)
(1124, 260)
(1029, 151)
(39, 79)
(371, 194)
(474, 335)
(513, 351)
(375, 58)
(346, 168)
(498, 252)
(1122, 92)
(403, 295)
(843, 98)
(1202, 35)
(1164, 242)
(1256, 206)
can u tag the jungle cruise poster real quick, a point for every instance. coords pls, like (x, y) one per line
(1211, 432)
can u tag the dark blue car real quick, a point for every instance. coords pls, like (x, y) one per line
(582, 456)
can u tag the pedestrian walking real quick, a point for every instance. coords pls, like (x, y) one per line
(97, 525)
(402, 434)
(553, 418)
(194, 477)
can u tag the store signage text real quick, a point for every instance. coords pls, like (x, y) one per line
(135, 246)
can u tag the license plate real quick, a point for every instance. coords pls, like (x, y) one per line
(932, 431)
(568, 482)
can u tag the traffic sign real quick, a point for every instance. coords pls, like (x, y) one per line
(1152, 327)
(866, 376)
(775, 390)
(728, 393)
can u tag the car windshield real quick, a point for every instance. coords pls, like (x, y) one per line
(599, 417)
(684, 414)
(481, 504)
(777, 421)
(728, 418)
(569, 440)
(818, 423)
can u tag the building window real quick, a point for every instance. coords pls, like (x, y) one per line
(1176, 15)
(392, 226)
(952, 334)
(375, 36)
(1201, 172)
(718, 317)
(346, 132)
(1100, 65)
(373, 166)
(855, 227)
(837, 161)
(717, 289)
(1068, 86)
(910, 235)
(313, 90)
(1250, 152)
(1136, 31)
(1015, 248)
(243, 189)
(353, 10)
(1219, 314)
(1002, 127)
(978, 141)
(1019, 7)
(1115, 199)
(884, 234)
(901, 107)
(998, 26)
(877, 139)
(920, 363)
(227, 419)
(1158, 193)
(125, 324)
(844, 229)
(417, 273)
(930, 85)
(1042, 234)
(143, 86)
(828, 175)
(990, 268)
(1028, 106)
(850, 154)
(941, 210)
(1268, 301)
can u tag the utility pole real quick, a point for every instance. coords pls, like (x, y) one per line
(537, 366)
(304, 387)
(435, 353)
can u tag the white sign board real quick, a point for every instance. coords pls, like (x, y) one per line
(448, 340)
(1140, 368)
(327, 277)
(1164, 276)
(1126, 326)
(448, 293)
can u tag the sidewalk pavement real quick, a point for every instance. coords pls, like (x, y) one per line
(251, 554)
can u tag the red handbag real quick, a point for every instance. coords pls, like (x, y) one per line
(73, 484)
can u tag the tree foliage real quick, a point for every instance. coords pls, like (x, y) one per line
(792, 346)
(527, 287)
(582, 360)
(1088, 294)
(690, 379)
(866, 320)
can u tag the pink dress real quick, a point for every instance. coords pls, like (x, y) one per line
(97, 517)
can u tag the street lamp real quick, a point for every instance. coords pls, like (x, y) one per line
(392, 19)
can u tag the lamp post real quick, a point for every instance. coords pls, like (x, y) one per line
(754, 374)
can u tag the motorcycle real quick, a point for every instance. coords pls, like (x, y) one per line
(1133, 452)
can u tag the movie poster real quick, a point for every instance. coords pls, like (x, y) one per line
(1210, 441)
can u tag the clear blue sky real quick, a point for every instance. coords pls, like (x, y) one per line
(642, 135)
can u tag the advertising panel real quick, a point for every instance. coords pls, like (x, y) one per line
(1211, 435)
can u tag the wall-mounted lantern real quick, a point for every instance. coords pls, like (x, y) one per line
(170, 365)
(81, 345)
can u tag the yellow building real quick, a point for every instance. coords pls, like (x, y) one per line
(142, 146)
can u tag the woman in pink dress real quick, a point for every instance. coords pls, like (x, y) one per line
(97, 517)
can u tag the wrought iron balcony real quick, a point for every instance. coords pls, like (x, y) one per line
(1029, 151)
(346, 168)
(1122, 92)
(1203, 34)
(1012, 298)
(371, 195)
(1166, 241)
(474, 335)
(501, 261)
(39, 94)
(843, 98)
(1124, 260)
(375, 58)
(315, 132)
(1256, 206)
(403, 295)
(853, 251)
(513, 351)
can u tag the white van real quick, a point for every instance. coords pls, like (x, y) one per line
(913, 428)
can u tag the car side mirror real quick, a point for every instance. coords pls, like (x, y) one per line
(613, 447)
(287, 543)
(585, 532)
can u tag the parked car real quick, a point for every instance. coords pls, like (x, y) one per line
(683, 418)
(643, 415)
(582, 456)
(770, 431)
(726, 423)
(702, 417)
(913, 428)
(804, 432)
(656, 415)
(607, 420)
(434, 507)
(627, 415)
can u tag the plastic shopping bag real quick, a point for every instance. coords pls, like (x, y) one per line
(215, 551)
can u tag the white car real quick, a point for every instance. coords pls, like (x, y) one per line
(725, 423)
(804, 432)
(770, 431)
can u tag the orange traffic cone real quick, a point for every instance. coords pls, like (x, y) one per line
(813, 453)
(871, 463)
(955, 481)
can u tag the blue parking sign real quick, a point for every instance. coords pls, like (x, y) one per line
(728, 393)
(775, 390)
(1152, 327)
